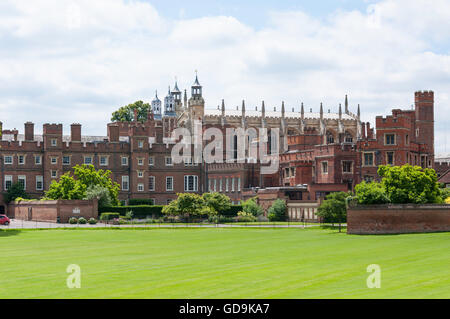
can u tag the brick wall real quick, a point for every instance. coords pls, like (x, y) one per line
(49, 211)
(398, 219)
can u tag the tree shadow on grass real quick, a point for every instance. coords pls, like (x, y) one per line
(9, 232)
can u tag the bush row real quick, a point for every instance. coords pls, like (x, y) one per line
(155, 211)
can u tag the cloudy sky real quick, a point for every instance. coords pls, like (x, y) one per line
(65, 61)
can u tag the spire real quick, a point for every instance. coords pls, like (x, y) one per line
(223, 107)
(282, 109)
(176, 89)
(346, 104)
(243, 108)
(359, 112)
(263, 110)
(340, 111)
(302, 112)
(321, 110)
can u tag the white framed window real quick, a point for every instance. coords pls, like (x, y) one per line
(54, 142)
(140, 161)
(8, 181)
(39, 183)
(239, 184)
(169, 161)
(190, 183)
(54, 174)
(151, 183)
(21, 159)
(140, 143)
(66, 160)
(140, 187)
(53, 160)
(169, 183)
(215, 185)
(88, 160)
(389, 139)
(103, 160)
(140, 174)
(125, 183)
(324, 167)
(151, 161)
(226, 185)
(37, 160)
(124, 161)
(220, 185)
(368, 159)
(188, 161)
(232, 184)
(347, 166)
(8, 159)
(390, 158)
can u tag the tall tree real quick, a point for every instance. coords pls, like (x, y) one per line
(126, 113)
(333, 209)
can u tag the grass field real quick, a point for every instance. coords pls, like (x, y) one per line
(222, 263)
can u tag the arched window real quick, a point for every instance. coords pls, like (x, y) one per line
(348, 138)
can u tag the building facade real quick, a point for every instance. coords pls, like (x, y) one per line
(318, 152)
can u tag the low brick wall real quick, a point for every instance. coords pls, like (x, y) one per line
(398, 219)
(50, 210)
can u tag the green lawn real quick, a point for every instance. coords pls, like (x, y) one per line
(222, 263)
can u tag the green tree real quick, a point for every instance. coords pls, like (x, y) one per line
(126, 113)
(333, 209)
(15, 191)
(251, 206)
(88, 176)
(84, 177)
(410, 184)
(277, 212)
(371, 193)
(99, 192)
(186, 205)
(217, 202)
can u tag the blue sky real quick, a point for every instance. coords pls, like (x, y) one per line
(66, 61)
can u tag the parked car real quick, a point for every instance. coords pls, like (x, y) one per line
(4, 220)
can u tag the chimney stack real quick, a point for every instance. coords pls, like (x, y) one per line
(113, 133)
(75, 132)
(29, 131)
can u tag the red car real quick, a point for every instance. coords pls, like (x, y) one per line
(4, 220)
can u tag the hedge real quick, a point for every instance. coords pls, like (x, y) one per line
(139, 211)
(232, 212)
(141, 201)
(109, 216)
(155, 211)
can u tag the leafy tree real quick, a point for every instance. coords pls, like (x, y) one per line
(84, 177)
(15, 191)
(447, 201)
(99, 192)
(66, 188)
(250, 206)
(188, 204)
(88, 176)
(410, 184)
(277, 212)
(217, 202)
(333, 209)
(371, 193)
(126, 113)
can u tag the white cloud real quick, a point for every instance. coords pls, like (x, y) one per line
(76, 61)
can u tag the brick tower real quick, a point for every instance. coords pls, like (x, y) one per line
(424, 135)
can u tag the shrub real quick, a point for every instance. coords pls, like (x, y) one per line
(109, 216)
(129, 214)
(250, 206)
(141, 211)
(371, 193)
(16, 191)
(447, 201)
(232, 211)
(277, 212)
(245, 217)
(82, 220)
(73, 220)
(92, 221)
(334, 208)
